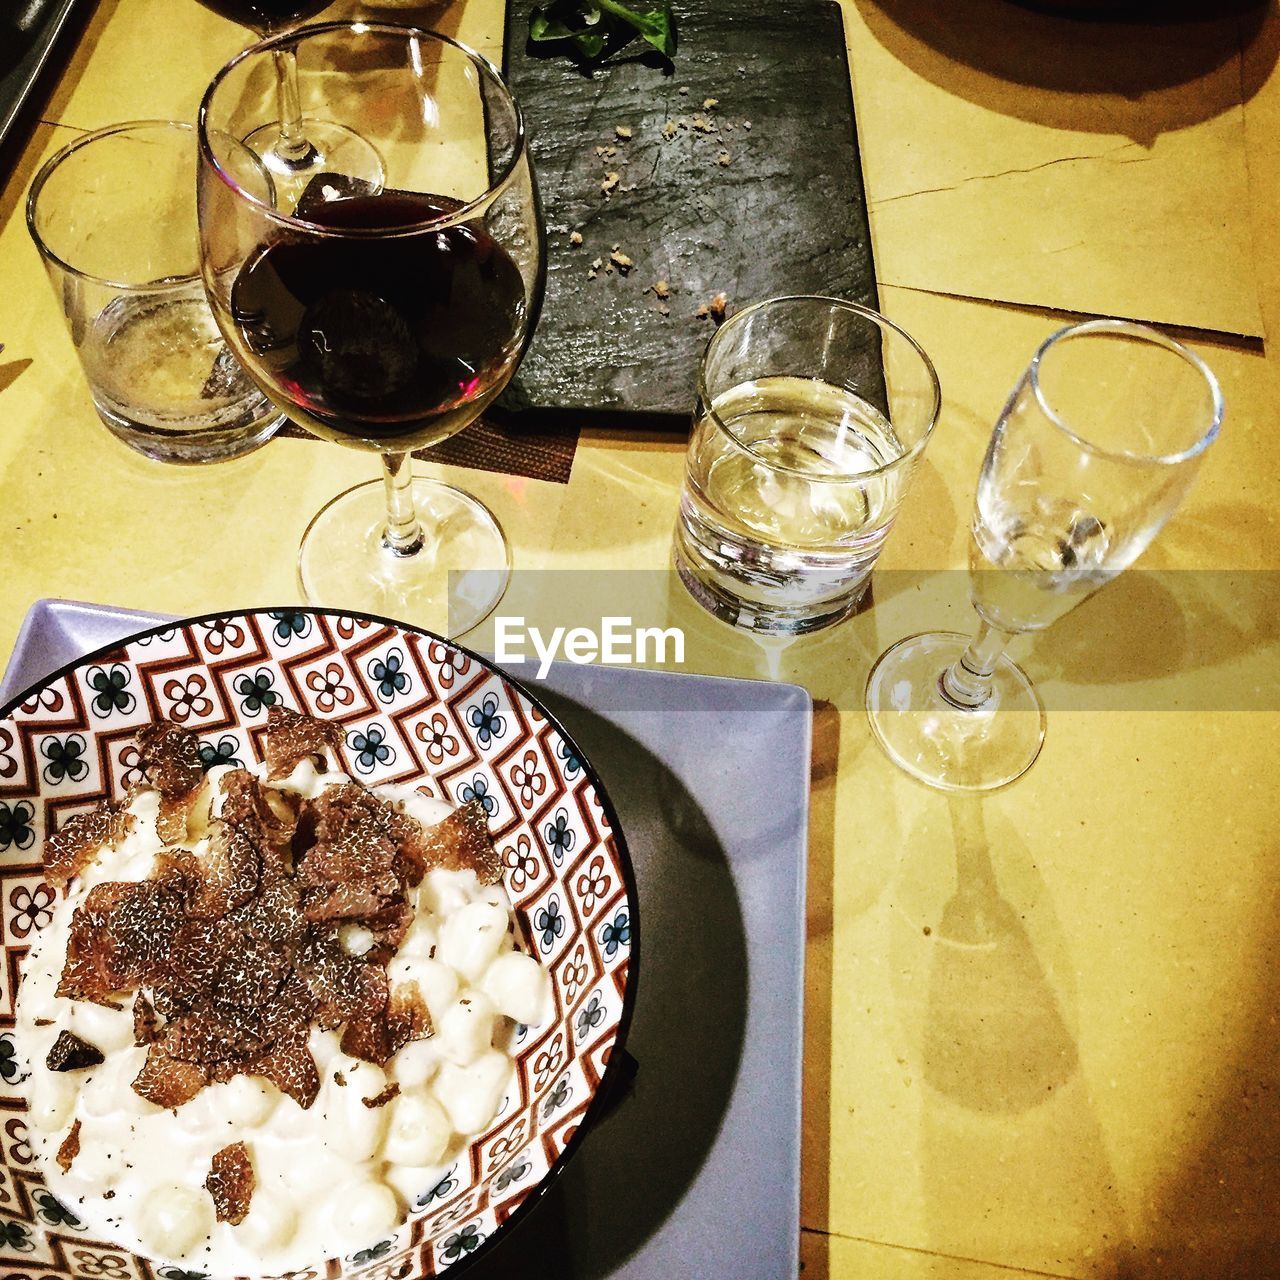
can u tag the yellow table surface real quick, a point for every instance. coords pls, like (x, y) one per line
(1089, 1089)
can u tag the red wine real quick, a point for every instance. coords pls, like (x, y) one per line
(265, 15)
(390, 341)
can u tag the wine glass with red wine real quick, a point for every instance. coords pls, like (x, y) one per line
(384, 319)
(294, 149)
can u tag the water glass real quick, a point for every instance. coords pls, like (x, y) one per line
(114, 217)
(812, 413)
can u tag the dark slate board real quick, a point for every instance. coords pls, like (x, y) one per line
(787, 215)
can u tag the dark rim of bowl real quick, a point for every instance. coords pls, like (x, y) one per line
(602, 1098)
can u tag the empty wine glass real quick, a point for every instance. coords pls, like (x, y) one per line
(295, 149)
(1098, 444)
(383, 321)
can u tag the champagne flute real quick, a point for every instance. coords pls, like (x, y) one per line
(383, 321)
(293, 149)
(1098, 444)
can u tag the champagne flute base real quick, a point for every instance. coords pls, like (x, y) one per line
(940, 743)
(449, 586)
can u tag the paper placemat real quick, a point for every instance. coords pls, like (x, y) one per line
(1095, 167)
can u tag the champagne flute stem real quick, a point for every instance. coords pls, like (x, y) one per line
(293, 144)
(966, 684)
(404, 535)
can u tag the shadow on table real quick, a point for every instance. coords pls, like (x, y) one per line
(995, 1039)
(11, 371)
(636, 1165)
(1011, 1152)
(1220, 1210)
(1217, 632)
(1139, 79)
(999, 1052)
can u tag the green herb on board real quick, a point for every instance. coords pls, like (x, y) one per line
(595, 29)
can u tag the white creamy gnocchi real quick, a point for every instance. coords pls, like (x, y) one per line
(330, 1178)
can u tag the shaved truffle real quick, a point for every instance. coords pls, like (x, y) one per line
(230, 870)
(70, 1053)
(407, 1011)
(292, 1069)
(170, 758)
(173, 821)
(360, 865)
(146, 1025)
(335, 979)
(389, 928)
(168, 1081)
(271, 816)
(237, 939)
(96, 965)
(381, 1099)
(413, 843)
(230, 1183)
(70, 1148)
(370, 1036)
(78, 841)
(293, 737)
(369, 1033)
(461, 842)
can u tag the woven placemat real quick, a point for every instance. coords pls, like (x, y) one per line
(541, 453)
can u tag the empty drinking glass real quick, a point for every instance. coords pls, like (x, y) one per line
(114, 217)
(1098, 444)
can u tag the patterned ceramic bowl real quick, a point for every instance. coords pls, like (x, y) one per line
(414, 708)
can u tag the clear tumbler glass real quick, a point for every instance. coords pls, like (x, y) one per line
(114, 217)
(812, 413)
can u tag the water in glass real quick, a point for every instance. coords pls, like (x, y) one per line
(787, 501)
(158, 367)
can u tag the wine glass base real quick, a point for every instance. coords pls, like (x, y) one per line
(330, 148)
(449, 587)
(940, 743)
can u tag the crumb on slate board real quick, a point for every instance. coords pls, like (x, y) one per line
(620, 263)
(715, 310)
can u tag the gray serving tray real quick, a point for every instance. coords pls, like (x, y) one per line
(696, 1171)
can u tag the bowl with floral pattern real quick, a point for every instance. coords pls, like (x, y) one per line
(413, 708)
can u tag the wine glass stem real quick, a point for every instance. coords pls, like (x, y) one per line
(967, 682)
(293, 144)
(404, 534)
